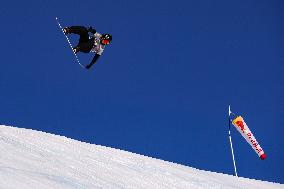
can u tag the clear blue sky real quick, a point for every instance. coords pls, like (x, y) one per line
(162, 88)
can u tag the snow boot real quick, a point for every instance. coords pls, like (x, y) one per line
(67, 30)
(76, 49)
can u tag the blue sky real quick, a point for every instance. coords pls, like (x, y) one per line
(162, 88)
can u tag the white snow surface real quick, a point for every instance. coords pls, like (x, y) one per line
(36, 160)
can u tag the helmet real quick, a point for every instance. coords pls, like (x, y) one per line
(106, 39)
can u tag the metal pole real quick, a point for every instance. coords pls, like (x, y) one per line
(231, 144)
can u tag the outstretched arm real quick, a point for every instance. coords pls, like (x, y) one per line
(93, 61)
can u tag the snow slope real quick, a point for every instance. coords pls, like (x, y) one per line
(32, 159)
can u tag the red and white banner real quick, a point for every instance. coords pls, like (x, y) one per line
(242, 127)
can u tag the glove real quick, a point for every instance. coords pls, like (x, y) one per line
(92, 30)
(88, 66)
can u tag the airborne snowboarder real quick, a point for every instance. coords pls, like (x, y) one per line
(95, 43)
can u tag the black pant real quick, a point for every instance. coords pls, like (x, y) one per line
(85, 44)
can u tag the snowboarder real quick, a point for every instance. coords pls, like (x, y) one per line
(95, 43)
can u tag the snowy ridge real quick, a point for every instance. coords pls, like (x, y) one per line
(35, 159)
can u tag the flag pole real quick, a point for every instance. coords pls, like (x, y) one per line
(231, 144)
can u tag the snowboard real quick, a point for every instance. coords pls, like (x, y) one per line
(69, 43)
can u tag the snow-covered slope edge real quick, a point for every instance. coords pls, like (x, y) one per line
(34, 159)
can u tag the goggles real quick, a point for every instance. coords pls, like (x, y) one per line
(105, 41)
